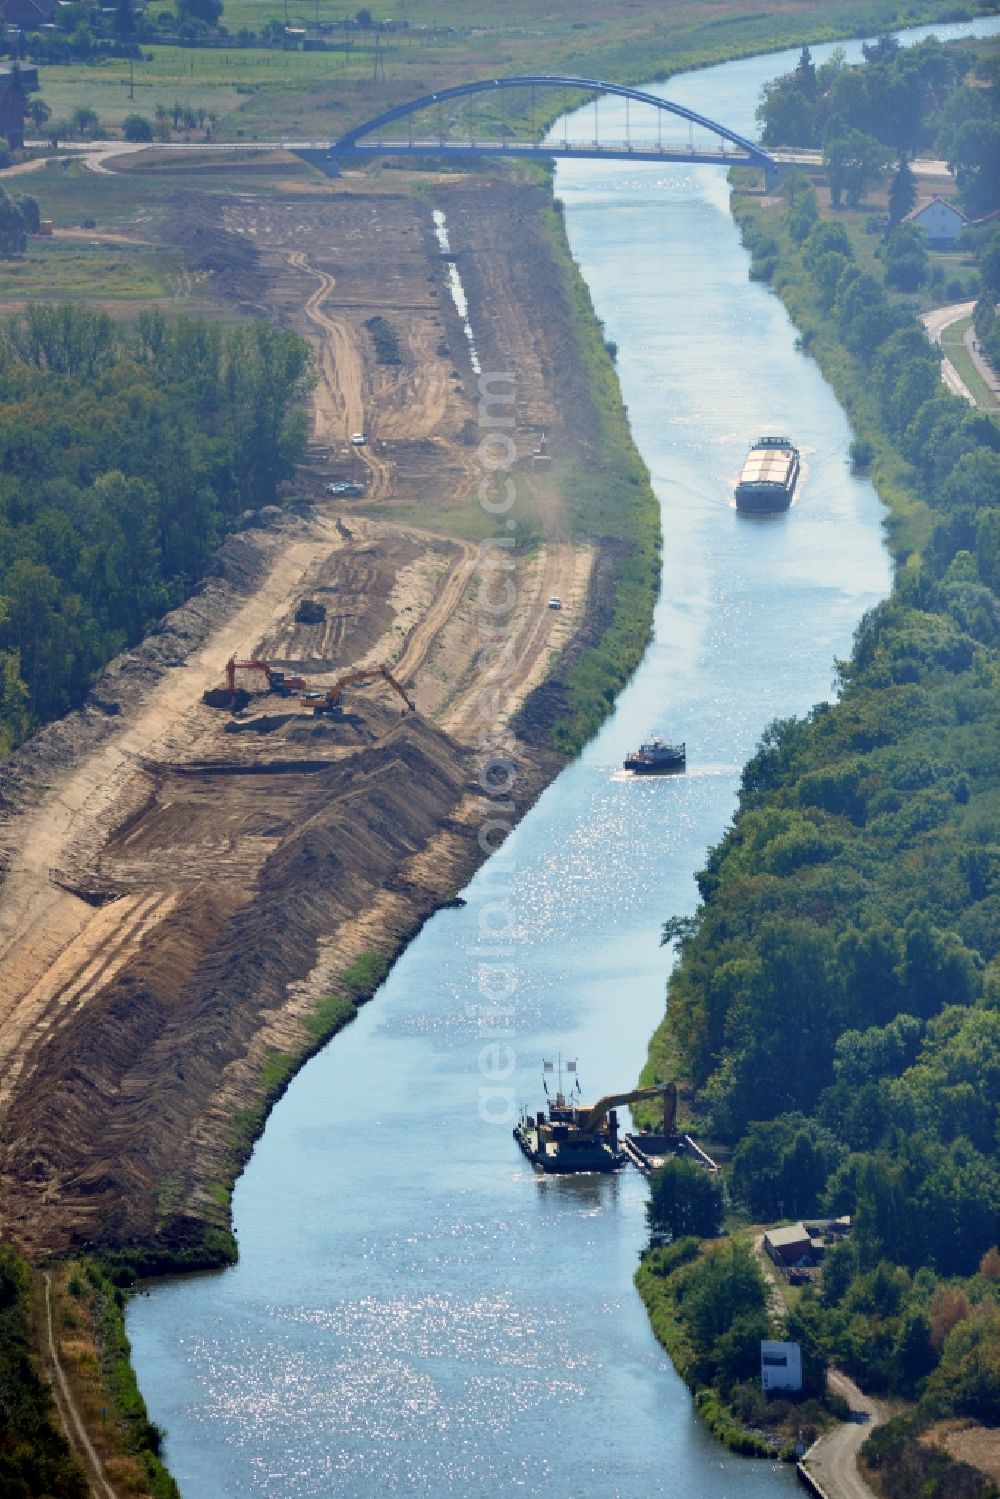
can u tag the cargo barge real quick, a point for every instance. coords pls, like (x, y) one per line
(769, 477)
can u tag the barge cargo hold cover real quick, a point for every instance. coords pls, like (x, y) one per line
(769, 476)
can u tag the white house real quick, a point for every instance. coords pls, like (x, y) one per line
(941, 221)
(780, 1365)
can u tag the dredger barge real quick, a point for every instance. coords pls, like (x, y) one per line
(571, 1136)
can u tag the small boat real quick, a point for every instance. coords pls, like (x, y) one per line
(656, 757)
(769, 476)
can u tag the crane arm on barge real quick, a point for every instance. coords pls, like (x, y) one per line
(595, 1116)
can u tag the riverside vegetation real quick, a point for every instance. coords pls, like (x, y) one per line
(836, 999)
(34, 1457)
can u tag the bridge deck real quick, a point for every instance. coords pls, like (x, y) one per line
(586, 150)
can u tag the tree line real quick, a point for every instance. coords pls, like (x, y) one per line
(836, 1000)
(898, 104)
(126, 453)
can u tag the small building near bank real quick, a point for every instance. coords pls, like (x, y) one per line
(940, 220)
(780, 1366)
(792, 1246)
(828, 1228)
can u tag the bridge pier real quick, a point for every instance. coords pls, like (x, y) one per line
(775, 173)
(321, 157)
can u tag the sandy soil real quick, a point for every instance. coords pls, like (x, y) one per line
(979, 1446)
(38, 917)
(181, 884)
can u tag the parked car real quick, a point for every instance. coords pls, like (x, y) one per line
(555, 602)
(358, 439)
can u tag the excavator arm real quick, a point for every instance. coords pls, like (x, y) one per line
(233, 666)
(398, 687)
(367, 674)
(593, 1120)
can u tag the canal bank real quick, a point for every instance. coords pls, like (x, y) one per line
(431, 1297)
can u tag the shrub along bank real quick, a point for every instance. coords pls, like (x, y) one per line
(836, 1000)
(34, 1456)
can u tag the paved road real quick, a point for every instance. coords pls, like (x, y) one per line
(106, 149)
(833, 1460)
(986, 371)
(925, 167)
(936, 321)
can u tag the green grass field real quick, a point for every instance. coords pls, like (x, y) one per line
(953, 345)
(68, 193)
(272, 93)
(77, 270)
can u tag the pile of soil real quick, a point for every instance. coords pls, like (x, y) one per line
(231, 259)
(138, 1088)
(310, 612)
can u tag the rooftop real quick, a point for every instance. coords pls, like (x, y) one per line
(924, 203)
(795, 1233)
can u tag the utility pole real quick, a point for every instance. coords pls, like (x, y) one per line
(378, 65)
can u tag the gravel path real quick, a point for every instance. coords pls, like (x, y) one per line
(833, 1460)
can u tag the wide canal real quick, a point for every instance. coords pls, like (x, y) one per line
(414, 1311)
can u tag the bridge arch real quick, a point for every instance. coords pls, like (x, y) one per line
(744, 151)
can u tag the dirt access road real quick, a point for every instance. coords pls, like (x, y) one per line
(180, 886)
(833, 1460)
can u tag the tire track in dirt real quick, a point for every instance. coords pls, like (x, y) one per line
(338, 400)
(564, 573)
(43, 926)
(78, 975)
(449, 596)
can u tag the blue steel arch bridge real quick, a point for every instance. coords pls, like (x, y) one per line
(655, 129)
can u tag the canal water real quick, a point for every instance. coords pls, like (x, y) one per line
(414, 1311)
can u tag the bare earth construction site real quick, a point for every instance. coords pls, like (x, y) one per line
(183, 884)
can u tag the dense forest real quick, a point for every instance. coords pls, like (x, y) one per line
(125, 454)
(836, 1000)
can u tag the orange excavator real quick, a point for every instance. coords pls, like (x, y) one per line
(330, 701)
(277, 680)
